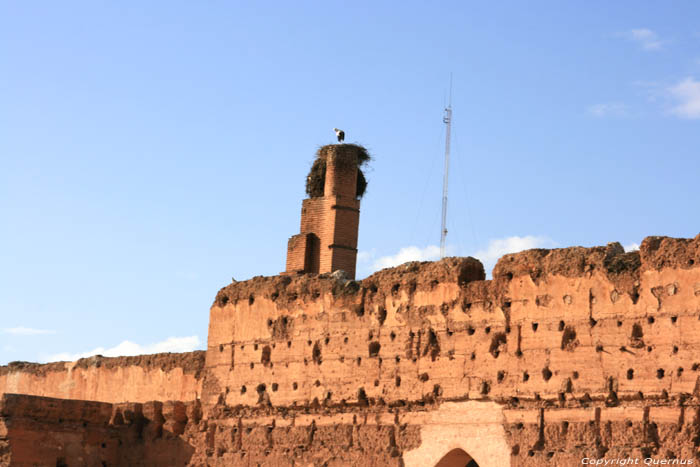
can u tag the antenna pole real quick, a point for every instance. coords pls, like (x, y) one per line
(447, 119)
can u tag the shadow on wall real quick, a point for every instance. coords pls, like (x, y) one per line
(457, 458)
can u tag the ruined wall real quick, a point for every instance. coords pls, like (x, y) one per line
(566, 354)
(40, 431)
(603, 340)
(134, 379)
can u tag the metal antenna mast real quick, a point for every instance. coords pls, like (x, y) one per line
(447, 119)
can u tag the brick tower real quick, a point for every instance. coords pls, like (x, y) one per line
(330, 217)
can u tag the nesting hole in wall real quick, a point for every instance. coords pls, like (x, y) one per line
(470, 331)
(526, 376)
(674, 319)
(382, 315)
(360, 311)
(561, 325)
(397, 381)
(243, 389)
(255, 346)
(575, 374)
(433, 345)
(630, 373)
(675, 349)
(392, 335)
(327, 340)
(424, 377)
(487, 329)
(660, 373)
(535, 326)
(473, 356)
(568, 339)
(295, 386)
(252, 365)
(317, 383)
(289, 344)
(649, 348)
(500, 376)
(397, 358)
(395, 288)
(265, 355)
(359, 361)
(374, 348)
(598, 348)
(650, 320)
(696, 366)
(546, 373)
(619, 324)
(485, 388)
(498, 340)
(637, 332)
(515, 450)
(251, 300)
(362, 397)
(679, 371)
(316, 354)
(275, 386)
(221, 347)
(345, 340)
(592, 321)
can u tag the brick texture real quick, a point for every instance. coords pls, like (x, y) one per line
(329, 224)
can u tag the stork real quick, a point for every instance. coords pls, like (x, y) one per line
(340, 134)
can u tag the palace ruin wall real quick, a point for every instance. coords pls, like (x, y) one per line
(565, 354)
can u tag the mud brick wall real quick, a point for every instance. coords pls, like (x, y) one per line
(135, 379)
(58, 432)
(565, 354)
(589, 330)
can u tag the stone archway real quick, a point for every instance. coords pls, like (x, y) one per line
(470, 432)
(457, 458)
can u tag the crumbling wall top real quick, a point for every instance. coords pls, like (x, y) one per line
(190, 362)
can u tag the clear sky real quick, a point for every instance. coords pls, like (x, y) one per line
(151, 151)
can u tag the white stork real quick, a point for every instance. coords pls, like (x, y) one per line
(340, 134)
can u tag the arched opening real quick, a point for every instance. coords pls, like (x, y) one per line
(457, 458)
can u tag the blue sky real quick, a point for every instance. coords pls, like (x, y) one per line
(149, 152)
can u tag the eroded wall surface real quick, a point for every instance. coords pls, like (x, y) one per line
(566, 354)
(141, 378)
(42, 431)
(587, 347)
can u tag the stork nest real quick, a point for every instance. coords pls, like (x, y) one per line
(344, 155)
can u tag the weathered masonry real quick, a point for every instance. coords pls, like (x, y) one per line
(330, 217)
(565, 354)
